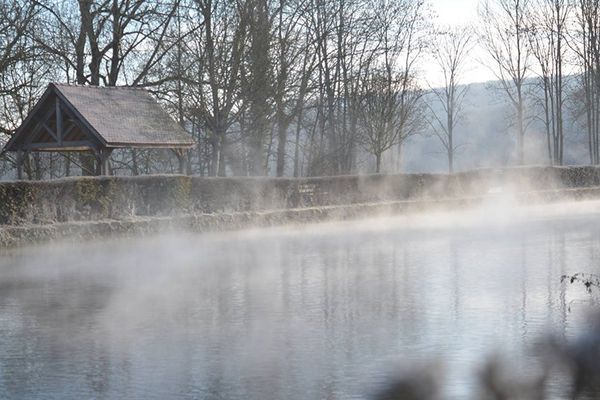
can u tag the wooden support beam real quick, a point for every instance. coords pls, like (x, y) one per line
(39, 126)
(71, 120)
(105, 170)
(50, 131)
(69, 129)
(182, 163)
(59, 123)
(19, 164)
(59, 133)
(54, 146)
(102, 159)
(182, 155)
(98, 164)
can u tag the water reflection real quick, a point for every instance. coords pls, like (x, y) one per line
(318, 313)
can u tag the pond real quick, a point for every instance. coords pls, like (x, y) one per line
(323, 311)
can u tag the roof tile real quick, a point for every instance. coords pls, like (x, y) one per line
(125, 116)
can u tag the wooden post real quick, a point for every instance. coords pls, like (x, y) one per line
(182, 163)
(104, 161)
(19, 164)
(59, 123)
(98, 164)
(182, 157)
(105, 156)
(102, 156)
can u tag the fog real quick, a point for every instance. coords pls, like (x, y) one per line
(333, 310)
(497, 301)
(485, 135)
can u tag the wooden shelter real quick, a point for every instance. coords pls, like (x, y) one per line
(98, 120)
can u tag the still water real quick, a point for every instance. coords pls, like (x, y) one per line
(320, 312)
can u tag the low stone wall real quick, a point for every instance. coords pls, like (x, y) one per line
(15, 235)
(119, 198)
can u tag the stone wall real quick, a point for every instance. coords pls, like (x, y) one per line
(116, 198)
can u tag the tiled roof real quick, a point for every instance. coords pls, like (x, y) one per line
(125, 116)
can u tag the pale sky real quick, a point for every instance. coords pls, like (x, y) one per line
(458, 13)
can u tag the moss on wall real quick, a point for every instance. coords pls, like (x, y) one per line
(95, 197)
(120, 198)
(15, 202)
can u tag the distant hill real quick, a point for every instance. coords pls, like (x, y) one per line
(487, 138)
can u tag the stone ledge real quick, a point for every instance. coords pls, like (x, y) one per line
(87, 199)
(18, 235)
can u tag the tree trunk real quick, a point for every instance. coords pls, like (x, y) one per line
(521, 129)
(297, 146)
(134, 161)
(214, 158)
(222, 165)
(281, 144)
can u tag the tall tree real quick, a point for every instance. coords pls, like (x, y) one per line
(19, 64)
(293, 64)
(257, 83)
(586, 43)
(109, 42)
(547, 33)
(390, 103)
(389, 113)
(214, 75)
(450, 55)
(504, 35)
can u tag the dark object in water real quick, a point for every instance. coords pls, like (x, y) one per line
(418, 384)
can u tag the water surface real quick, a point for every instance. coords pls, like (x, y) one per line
(320, 312)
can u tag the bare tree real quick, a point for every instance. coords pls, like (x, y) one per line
(22, 69)
(18, 69)
(390, 103)
(450, 54)
(389, 113)
(256, 83)
(585, 40)
(240, 76)
(109, 42)
(291, 83)
(215, 54)
(325, 17)
(504, 35)
(547, 32)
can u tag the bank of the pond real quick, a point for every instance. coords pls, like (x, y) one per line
(87, 207)
(24, 234)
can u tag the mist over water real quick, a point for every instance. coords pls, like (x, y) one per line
(322, 311)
